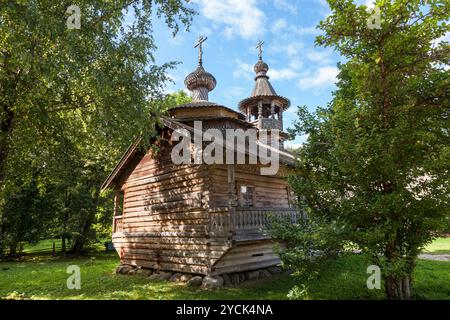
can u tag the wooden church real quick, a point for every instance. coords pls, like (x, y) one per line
(205, 219)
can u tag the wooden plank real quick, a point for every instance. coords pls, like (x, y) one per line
(245, 267)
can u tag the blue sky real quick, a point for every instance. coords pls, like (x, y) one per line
(299, 70)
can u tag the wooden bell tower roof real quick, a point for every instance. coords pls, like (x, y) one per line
(263, 89)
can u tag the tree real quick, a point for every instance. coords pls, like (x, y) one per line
(27, 210)
(71, 100)
(102, 74)
(376, 160)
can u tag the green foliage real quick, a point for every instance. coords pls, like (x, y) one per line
(71, 100)
(177, 98)
(311, 244)
(376, 160)
(27, 207)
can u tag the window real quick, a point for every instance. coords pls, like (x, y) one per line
(119, 203)
(247, 196)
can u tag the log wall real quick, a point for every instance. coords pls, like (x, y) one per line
(165, 220)
(169, 212)
(270, 191)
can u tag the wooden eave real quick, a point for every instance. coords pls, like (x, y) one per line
(285, 157)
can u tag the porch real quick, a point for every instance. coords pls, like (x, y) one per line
(241, 224)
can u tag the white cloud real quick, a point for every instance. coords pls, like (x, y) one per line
(177, 40)
(292, 49)
(282, 74)
(324, 10)
(323, 3)
(320, 57)
(370, 3)
(241, 18)
(294, 145)
(322, 78)
(234, 93)
(295, 63)
(305, 31)
(279, 25)
(244, 70)
(203, 30)
(285, 5)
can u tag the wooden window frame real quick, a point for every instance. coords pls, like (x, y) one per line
(245, 202)
(119, 201)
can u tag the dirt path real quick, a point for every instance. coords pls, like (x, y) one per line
(436, 257)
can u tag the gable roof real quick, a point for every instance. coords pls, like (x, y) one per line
(285, 157)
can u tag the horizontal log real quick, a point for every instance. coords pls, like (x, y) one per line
(174, 267)
(174, 192)
(245, 267)
(168, 178)
(165, 186)
(193, 234)
(186, 214)
(167, 222)
(192, 200)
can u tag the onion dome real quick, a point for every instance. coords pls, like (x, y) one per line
(261, 68)
(200, 83)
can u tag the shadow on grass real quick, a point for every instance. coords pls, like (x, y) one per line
(44, 277)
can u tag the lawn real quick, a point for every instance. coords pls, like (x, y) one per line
(44, 277)
(439, 246)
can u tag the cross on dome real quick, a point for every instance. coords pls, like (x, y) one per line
(199, 43)
(200, 82)
(259, 47)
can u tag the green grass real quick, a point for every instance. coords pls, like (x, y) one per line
(41, 276)
(439, 246)
(44, 277)
(46, 246)
(43, 246)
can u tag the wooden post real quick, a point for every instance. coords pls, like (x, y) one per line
(280, 118)
(232, 203)
(116, 205)
(260, 110)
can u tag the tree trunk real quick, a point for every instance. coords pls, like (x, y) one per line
(63, 244)
(5, 131)
(398, 288)
(6, 127)
(67, 198)
(80, 241)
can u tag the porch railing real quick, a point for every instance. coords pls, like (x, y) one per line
(237, 221)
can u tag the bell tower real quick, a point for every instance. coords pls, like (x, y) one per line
(264, 108)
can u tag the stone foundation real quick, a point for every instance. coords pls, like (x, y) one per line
(207, 282)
